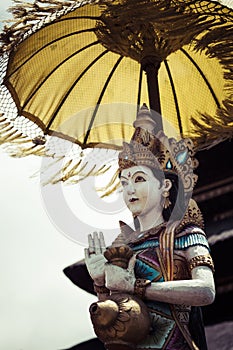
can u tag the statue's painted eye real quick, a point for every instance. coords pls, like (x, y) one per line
(124, 183)
(140, 179)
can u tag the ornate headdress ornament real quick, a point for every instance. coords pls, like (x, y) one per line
(156, 150)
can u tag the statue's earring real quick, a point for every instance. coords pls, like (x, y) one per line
(167, 201)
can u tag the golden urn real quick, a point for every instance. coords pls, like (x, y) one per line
(121, 321)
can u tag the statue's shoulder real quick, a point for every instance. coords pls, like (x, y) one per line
(189, 236)
(192, 217)
(190, 232)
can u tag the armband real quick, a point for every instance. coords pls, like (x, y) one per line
(201, 260)
(140, 287)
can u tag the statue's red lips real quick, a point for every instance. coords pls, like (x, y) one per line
(132, 200)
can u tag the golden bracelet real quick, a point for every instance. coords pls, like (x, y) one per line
(201, 260)
(140, 287)
(101, 289)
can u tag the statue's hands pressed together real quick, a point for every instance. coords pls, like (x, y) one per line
(118, 279)
(94, 258)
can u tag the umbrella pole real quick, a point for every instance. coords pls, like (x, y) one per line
(151, 69)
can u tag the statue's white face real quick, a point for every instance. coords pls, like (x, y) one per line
(142, 191)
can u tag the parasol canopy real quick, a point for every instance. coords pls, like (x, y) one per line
(62, 61)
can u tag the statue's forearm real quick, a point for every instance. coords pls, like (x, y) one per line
(198, 291)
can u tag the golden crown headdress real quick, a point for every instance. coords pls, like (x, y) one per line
(156, 150)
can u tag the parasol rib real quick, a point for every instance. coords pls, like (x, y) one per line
(139, 89)
(73, 85)
(57, 67)
(47, 45)
(95, 18)
(203, 77)
(100, 98)
(174, 96)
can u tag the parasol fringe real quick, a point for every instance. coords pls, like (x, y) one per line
(214, 129)
(33, 150)
(68, 177)
(74, 173)
(6, 128)
(61, 174)
(14, 137)
(104, 169)
(52, 180)
(89, 173)
(3, 123)
(8, 133)
(17, 139)
(79, 172)
(111, 186)
(158, 14)
(10, 136)
(71, 172)
(111, 182)
(84, 168)
(4, 139)
(18, 154)
(67, 165)
(26, 15)
(12, 141)
(110, 190)
(92, 172)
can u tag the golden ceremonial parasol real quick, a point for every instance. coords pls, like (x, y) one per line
(64, 62)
